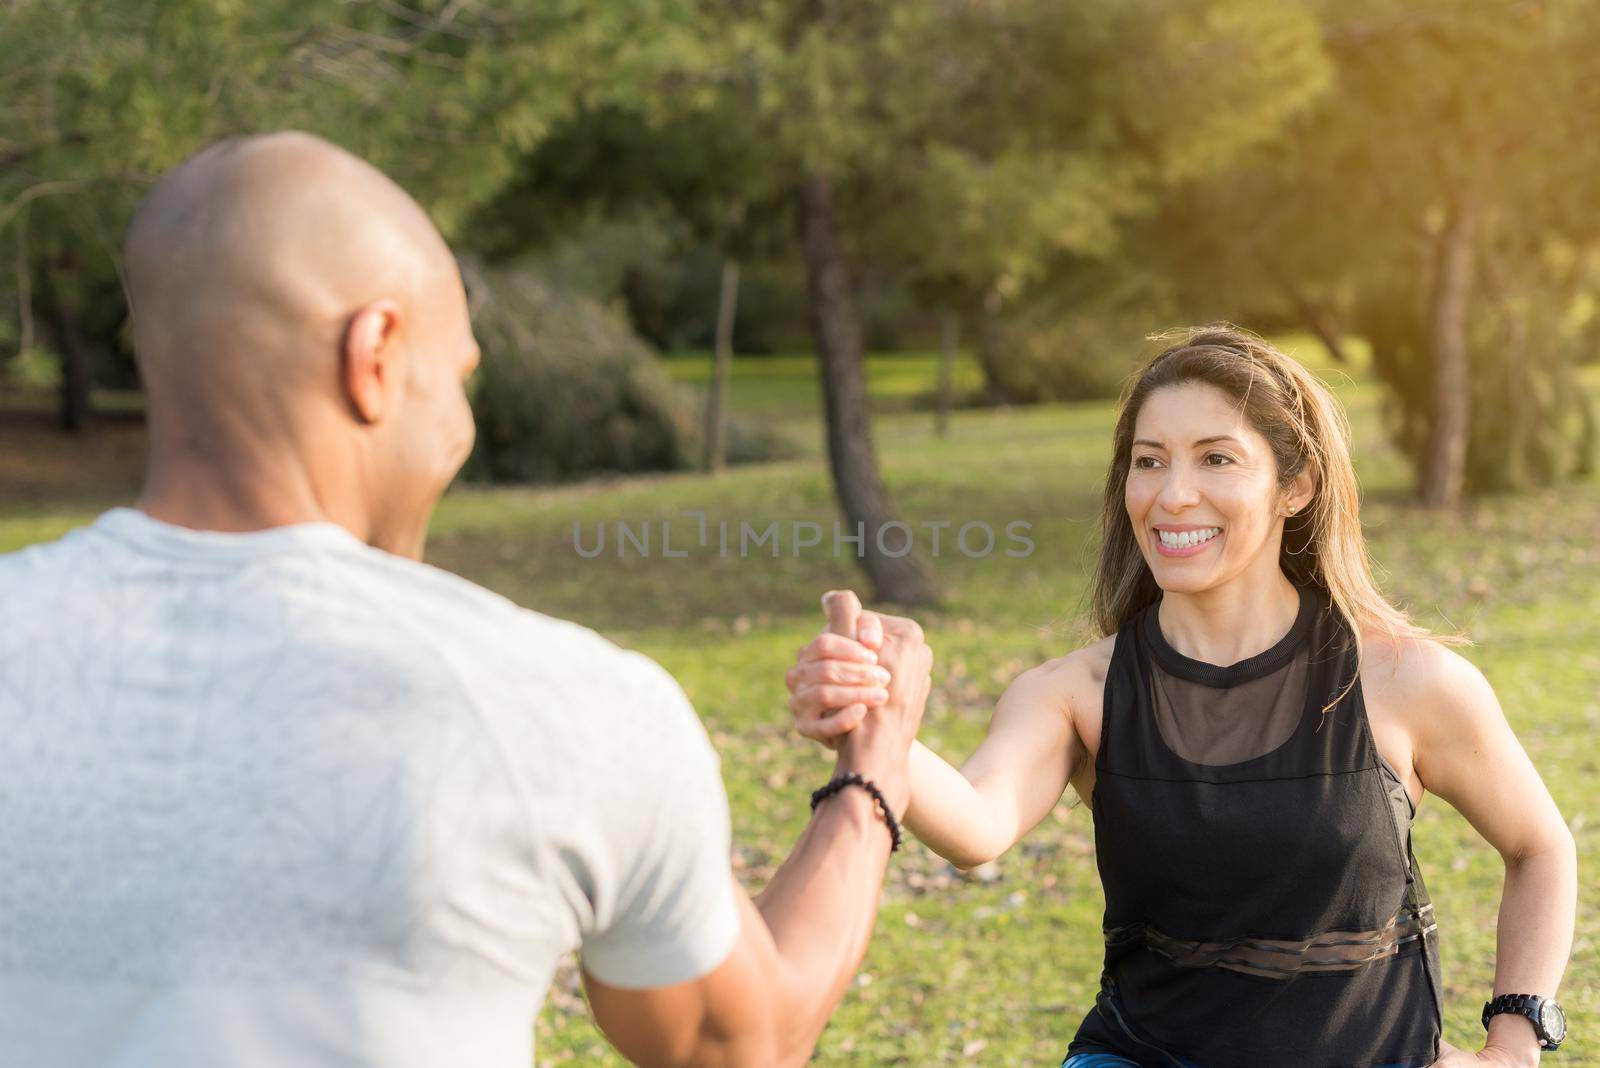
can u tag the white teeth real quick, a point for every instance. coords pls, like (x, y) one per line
(1188, 538)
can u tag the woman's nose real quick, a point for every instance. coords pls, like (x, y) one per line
(1178, 491)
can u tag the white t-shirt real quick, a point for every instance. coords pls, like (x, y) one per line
(279, 798)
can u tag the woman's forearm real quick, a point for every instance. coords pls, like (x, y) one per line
(950, 816)
(1537, 912)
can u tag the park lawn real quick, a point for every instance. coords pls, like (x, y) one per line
(999, 972)
(786, 386)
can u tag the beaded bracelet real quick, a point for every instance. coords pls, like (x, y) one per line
(855, 779)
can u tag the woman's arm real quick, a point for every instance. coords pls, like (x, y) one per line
(1467, 754)
(1012, 782)
(1015, 778)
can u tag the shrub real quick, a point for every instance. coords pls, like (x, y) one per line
(567, 389)
(1046, 352)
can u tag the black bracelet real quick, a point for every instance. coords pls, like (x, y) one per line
(855, 779)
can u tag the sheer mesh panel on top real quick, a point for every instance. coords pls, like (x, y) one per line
(1225, 725)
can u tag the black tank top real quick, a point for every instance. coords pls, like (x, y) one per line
(1263, 905)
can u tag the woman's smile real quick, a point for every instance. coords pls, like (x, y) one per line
(1184, 541)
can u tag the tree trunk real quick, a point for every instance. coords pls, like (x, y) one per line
(24, 288)
(722, 364)
(1522, 410)
(947, 372)
(1444, 459)
(1320, 321)
(989, 348)
(837, 332)
(75, 384)
(1588, 428)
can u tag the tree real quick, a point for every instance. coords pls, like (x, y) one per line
(1057, 125)
(103, 95)
(1037, 125)
(721, 369)
(698, 162)
(1447, 216)
(975, 141)
(742, 130)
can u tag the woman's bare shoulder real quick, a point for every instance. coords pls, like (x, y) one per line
(1074, 680)
(1414, 662)
(1418, 674)
(1093, 660)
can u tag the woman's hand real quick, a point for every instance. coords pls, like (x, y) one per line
(1014, 779)
(1451, 1057)
(836, 678)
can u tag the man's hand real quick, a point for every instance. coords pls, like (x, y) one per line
(844, 702)
(837, 677)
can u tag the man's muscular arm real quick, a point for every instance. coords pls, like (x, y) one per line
(802, 939)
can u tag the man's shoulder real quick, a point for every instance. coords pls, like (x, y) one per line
(400, 612)
(490, 627)
(533, 673)
(31, 563)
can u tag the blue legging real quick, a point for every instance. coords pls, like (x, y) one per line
(1114, 1060)
(1100, 1060)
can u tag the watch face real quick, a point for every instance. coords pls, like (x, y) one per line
(1554, 1020)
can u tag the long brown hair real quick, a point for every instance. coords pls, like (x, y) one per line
(1307, 430)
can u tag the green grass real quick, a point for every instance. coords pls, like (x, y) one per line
(785, 389)
(1000, 973)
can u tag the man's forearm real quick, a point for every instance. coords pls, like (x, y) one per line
(1534, 939)
(822, 903)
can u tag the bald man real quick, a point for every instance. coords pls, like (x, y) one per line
(274, 793)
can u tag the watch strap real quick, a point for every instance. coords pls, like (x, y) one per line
(1527, 1005)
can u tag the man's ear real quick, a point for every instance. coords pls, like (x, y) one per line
(370, 359)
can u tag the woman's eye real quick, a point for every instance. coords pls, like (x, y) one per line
(1216, 459)
(1144, 462)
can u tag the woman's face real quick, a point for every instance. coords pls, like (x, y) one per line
(1202, 490)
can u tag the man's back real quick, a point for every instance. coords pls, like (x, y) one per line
(279, 798)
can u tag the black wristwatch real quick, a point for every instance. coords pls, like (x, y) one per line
(1549, 1022)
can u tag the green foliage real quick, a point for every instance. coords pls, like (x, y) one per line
(1081, 337)
(567, 389)
(1038, 133)
(1517, 145)
(1531, 424)
(33, 370)
(1087, 172)
(102, 96)
(1337, 222)
(1048, 124)
(444, 96)
(668, 279)
(970, 144)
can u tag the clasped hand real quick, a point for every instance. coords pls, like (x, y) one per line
(865, 670)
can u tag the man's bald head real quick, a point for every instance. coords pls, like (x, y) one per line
(286, 295)
(277, 237)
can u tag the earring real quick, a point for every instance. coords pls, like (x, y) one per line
(1292, 509)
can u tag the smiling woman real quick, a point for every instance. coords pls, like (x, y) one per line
(1253, 736)
(1225, 419)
